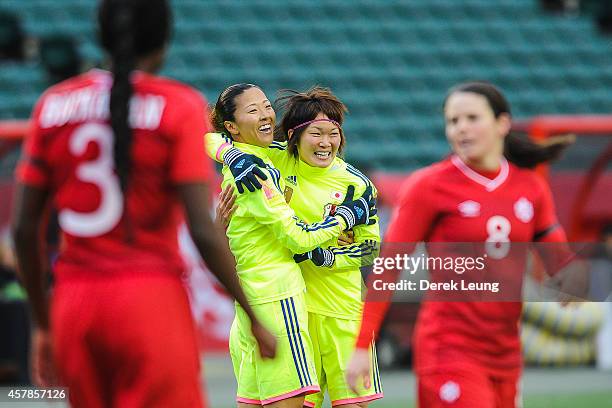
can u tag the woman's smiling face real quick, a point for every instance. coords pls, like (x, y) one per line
(254, 119)
(319, 142)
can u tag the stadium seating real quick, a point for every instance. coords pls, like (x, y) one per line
(391, 61)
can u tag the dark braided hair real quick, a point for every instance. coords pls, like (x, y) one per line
(519, 150)
(129, 29)
(225, 107)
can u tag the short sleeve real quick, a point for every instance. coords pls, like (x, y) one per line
(547, 227)
(33, 168)
(549, 234)
(189, 125)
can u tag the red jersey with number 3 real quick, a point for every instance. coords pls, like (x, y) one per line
(69, 152)
(450, 202)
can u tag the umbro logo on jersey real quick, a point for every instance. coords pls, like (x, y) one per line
(292, 180)
(450, 392)
(469, 209)
(523, 209)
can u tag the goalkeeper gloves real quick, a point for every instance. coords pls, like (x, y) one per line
(359, 211)
(318, 256)
(245, 168)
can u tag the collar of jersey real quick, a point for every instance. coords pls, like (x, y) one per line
(487, 183)
(306, 170)
(261, 152)
(108, 76)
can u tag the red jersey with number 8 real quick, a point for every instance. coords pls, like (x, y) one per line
(69, 152)
(449, 202)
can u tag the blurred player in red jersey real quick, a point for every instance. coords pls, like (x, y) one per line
(467, 354)
(118, 154)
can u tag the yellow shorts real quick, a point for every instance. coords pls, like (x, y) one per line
(292, 371)
(333, 342)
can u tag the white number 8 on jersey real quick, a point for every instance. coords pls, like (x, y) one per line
(99, 172)
(498, 237)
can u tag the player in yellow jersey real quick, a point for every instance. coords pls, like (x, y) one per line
(315, 182)
(264, 234)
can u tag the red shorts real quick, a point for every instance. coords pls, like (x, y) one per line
(467, 388)
(126, 341)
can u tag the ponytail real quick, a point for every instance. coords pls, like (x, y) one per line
(129, 30)
(121, 91)
(216, 120)
(524, 152)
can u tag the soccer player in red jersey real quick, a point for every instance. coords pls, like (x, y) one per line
(118, 154)
(467, 354)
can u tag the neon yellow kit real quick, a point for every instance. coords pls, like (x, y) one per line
(263, 235)
(334, 294)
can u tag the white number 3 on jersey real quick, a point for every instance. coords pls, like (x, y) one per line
(99, 172)
(498, 237)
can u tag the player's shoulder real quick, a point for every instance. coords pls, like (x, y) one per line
(218, 136)
(433, 174)
(425, 180)
(349, 173)
(528, 179)
(278, 145)
(83, 80)
(270, 170)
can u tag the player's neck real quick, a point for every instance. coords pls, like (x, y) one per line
(147, 66)
(151, 63)
(307, 170)
(487, 164)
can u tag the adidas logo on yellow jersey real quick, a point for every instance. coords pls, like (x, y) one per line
(291, 180)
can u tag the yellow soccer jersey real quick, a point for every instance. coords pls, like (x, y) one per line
(311, 191)
(264, 233)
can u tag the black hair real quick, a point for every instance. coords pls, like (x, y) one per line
(128, 30)
(225, 107)
(301, 107)
(518, 149)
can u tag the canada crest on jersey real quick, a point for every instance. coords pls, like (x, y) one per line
(469, 209)
(523, 210)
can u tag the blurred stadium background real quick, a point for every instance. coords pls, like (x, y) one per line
(391, 61)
